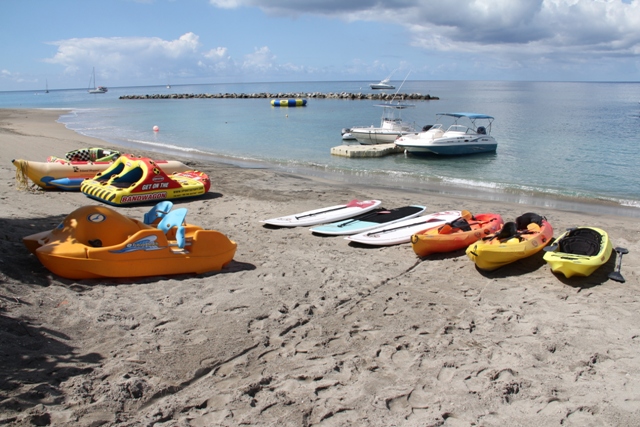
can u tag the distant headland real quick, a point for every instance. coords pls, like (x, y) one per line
(340, 95)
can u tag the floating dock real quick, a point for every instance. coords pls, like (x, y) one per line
(364, 151)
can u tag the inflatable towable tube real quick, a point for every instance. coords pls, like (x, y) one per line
(289, 102)
(133, 179)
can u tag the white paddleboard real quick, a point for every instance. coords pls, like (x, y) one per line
(401, 232)
(325, 215)
(368, 221)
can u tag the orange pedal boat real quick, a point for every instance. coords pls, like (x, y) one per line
(456, 234)
(97, 241)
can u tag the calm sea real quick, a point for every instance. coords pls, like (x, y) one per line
(566, 145)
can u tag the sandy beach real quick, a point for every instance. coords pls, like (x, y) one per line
(302, 330)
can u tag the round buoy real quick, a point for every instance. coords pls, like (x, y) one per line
(156, 128)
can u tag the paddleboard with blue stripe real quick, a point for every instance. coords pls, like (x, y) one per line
(369, 221)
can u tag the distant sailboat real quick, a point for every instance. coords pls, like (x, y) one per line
(168, 84)
(46, 82)
(92, 85)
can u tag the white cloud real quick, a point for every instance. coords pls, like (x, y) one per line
(577, 26)
(260, 60)
(226, 4)
(122, 57)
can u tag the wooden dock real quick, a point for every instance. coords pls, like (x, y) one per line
(363, 151)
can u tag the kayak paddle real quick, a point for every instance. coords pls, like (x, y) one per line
(615, 275)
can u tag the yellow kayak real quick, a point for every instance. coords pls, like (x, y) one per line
(579, 251)
(515, 240)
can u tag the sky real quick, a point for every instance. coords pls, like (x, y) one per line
(155, 42)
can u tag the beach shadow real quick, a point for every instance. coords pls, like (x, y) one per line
(439, 256)
(517, 268)
(39, 358)
(363, 245)
(17, 262)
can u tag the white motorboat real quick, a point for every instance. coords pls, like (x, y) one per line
(391, 126)
(384, 84)
(457, 139)
(92, 85)
(346, 135)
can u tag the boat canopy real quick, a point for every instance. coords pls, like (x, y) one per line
(472, 116)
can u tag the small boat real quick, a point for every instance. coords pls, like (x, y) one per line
(324, 215)
(132, 179)
(92, 85)
(579, 251)
(384, 84)
(96, 242)
(457, 234)
(369, 220)
(458, 139)
(391, 126)
(401, 232)
(44, 173)
(515, 240)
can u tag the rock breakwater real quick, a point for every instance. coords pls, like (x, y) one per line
(266, 95)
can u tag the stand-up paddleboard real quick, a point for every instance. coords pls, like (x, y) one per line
(325, 215)
(369, 220)
(401, 232)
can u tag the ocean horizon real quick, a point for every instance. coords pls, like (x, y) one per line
(567, 145)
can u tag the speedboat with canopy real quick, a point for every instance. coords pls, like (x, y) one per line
(470, 133)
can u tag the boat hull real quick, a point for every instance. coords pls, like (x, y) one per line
(372, 136)
(492, 254)
(572, 264)
(452, 148)
(127, 247)
(439, 240)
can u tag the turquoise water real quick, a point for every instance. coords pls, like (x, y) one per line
(573, 141)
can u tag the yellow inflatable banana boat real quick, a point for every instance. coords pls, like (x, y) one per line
(43, 173)
(96, 241)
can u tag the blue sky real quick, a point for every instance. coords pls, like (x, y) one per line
(149, 42)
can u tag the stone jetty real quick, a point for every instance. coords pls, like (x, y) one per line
(316, 95)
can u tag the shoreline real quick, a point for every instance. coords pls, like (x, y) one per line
(348, 177)
(302, 330)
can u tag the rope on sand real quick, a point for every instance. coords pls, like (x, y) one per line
(22, 178)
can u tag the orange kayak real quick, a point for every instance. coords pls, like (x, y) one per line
(455, 235)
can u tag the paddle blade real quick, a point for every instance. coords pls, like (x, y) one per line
(614, 275)
(445, 229)
(466, 215)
